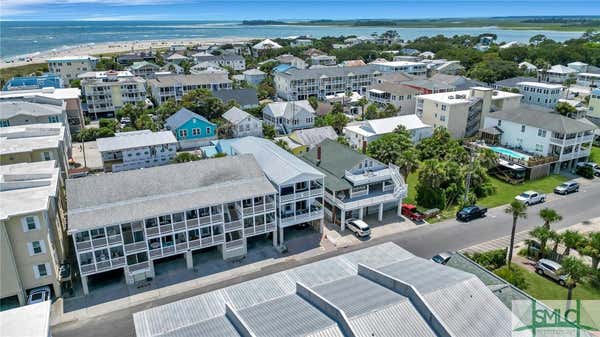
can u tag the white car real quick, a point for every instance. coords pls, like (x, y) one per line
(531, 198)
(359, 227)
(38, 295)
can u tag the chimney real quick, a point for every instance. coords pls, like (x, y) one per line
(319, 154)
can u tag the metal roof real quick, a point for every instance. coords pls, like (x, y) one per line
(236, 115)
(294, 73)
(244, 97)
(32, 320)
(135, 139)
(313, 136)
(17, 107)
(347, 295)
(287, 109)
(279, 165)
(31, 137)
(100, 200)
(197, 79)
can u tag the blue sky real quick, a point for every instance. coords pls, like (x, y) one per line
(281, 9)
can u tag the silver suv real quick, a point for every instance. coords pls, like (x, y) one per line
(550, 269)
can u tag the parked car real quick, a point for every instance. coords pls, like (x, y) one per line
(470, 212)
(359, 227)
(567, 187)
(442, 258)
(531, 198)
(38, 295)
(594, 167)
(550, 269)
(411, 212)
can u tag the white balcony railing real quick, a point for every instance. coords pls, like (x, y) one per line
(138, 266)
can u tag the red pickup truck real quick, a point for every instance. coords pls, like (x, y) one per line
(411, 212)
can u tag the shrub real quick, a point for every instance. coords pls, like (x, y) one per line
(491, 260)
(514, 276)
(110, 123)
(595, 279)
(585, 171)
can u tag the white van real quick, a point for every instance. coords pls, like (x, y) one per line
(359, 227)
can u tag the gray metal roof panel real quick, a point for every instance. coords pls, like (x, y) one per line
(124, 141)
(12, 108)
(279, 165)
(288, 316)
(244, 96)
(397, 320)
(216, 327)
(181, 117)
(543, 118)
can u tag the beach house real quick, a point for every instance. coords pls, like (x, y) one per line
(360, 134)
(167, 87)
(244, 124)
(107, 91)
(191, 129)
(69, 67)
(289, 116)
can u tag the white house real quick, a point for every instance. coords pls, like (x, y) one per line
(137, 149)
(538, 132)
(254, 76)
(418, 69)
(527, 66)
(538, 93)
(588, 79)
(289, 116)
(244, 124)
(265, 45)
(359, 135)
(558, 74)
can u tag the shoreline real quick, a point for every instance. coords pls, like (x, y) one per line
(97, 49)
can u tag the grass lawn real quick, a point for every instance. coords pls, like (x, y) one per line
(505, 192)
(595, 155)
(543, 288)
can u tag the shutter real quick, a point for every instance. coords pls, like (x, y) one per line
(24, 224)
(48, 270)
(30, 248)
(43, 246)
(36, 271)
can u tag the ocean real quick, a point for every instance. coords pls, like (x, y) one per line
(26, 37)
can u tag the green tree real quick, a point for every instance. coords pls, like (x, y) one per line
(389, 111)
(283, 144)
(372, 112)
(362, 102)
(575, 270)
(542, 234)
(440, 183)
(565, 109)
(556, 239)
(106, 63)
(145, 122)
(110, 123)
(225, 131)
(76, 83)
(269, 131)
(266, 88)
(201, 101)
(166, 109)
(441, 146)
(494, 70)
(591, 248)
(183, 157)
(343, 140)
(517, 210)
(571, 240)
(314, 103)
(549, 216)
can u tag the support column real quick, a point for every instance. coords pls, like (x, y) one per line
(380, 215)
(84, 285)
(189, 260)
(343, 220)
(275, 237)
(150, 272)
(361, 213)
(22, 299)
(399, 209)
(281, 239)
(322, 226)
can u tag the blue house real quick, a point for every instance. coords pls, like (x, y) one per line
(33, 82)
(191, 129)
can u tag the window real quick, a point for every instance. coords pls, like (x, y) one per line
(46, 155)
(443, 118)
(36, 247)
(4, 123)
(182, 133)
(444, 107)
(539, 147)
(208, 131)
(522, 128)
(30, 223)
(137, 258)
(499, 122)
(41, 270)
(542, 133)
(53, 119)
(195, 132)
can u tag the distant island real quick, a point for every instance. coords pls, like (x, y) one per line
(560, 23)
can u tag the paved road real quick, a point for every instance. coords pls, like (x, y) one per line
(423, 241)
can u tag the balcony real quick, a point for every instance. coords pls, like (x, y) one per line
(85, 245)
(99, 242)
(232, 226)
(235, 244)
(152, 231)
(138, 266)
(301, 217)
(368, 176)
(114, 239)
(178, 226)
(166, 229)
(135, 247)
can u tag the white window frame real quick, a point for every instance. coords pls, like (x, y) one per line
(24, 223)
(208, 131)
(182, 133)
(196, 132)
(31, 250)
(43, 155)
(36, 270)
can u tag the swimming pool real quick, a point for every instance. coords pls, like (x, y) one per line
(509, 152)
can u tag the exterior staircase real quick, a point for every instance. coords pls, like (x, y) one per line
(400, 187)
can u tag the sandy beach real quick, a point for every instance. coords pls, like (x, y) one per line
(113, 47)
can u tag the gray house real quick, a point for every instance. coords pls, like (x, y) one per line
(289, 116)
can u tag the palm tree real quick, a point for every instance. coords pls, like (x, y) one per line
(518, 210)
(362, 102)
(543, 235)
(549, 215)
(574, 270)
(408, 162)
(591, 248)
(571, 240)
(557, 239)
